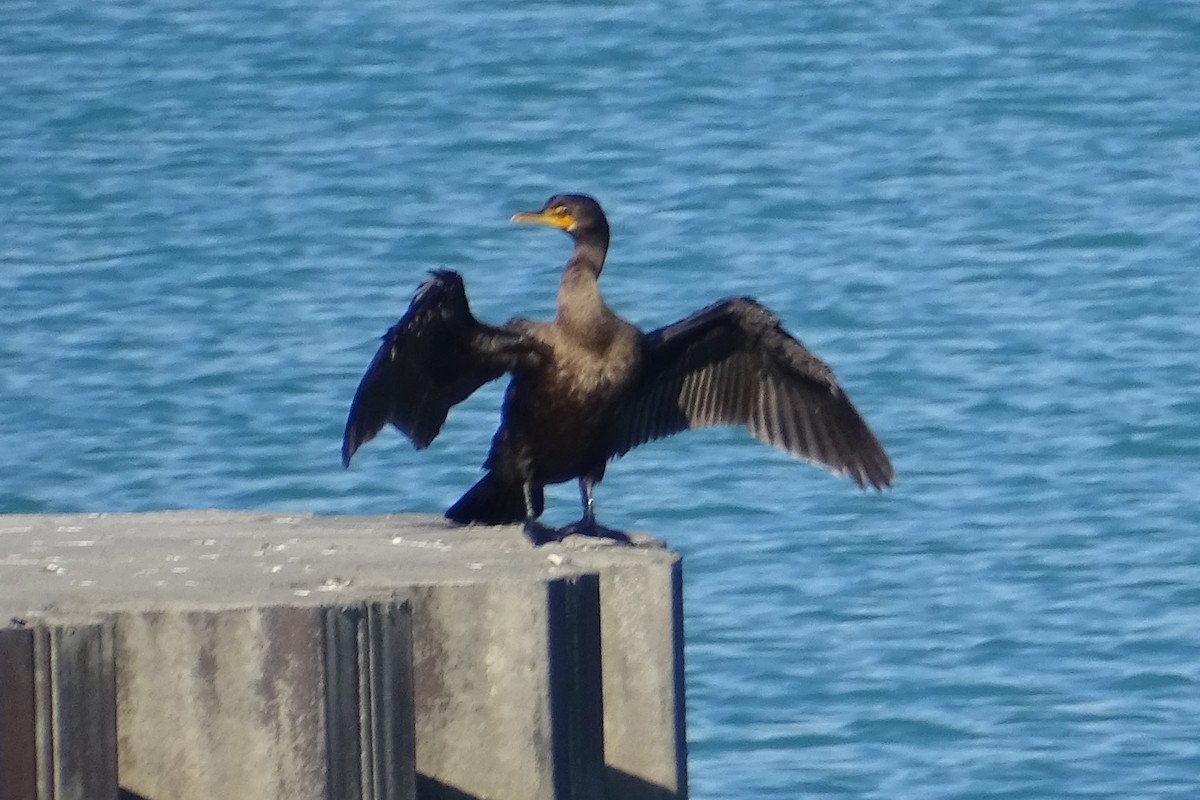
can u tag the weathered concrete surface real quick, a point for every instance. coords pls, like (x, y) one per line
(57, 712)
(507, 638)
(370, 730)
(165, 560)
(534, 645)
(644, 726)
(265, 702)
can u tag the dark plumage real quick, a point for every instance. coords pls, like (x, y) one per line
(589, 386)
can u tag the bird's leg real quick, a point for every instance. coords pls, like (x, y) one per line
(589, 504)
(538, 533)
(587, 525)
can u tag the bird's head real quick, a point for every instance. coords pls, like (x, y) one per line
(577, 214)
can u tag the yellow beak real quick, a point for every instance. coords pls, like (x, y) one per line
(555, 219)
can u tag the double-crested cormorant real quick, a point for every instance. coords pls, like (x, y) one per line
(589, 386)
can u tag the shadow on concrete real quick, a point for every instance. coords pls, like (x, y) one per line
(432, 789)
(576, 688)
(620, 785)
(18, 709)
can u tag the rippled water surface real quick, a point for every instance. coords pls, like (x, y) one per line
(982, 214)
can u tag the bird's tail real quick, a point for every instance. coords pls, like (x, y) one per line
(494, 501)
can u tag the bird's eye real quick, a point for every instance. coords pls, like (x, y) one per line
(561, 211)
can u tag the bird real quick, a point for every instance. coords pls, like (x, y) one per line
(588, 386)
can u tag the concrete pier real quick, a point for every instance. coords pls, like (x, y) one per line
(251, 655)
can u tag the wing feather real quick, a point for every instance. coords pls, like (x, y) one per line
(437, 355)
(733, 363)
(787, 423)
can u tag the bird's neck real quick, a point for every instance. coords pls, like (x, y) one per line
(581, 309)
(590, 250)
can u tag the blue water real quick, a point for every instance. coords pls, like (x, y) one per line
(984, 215)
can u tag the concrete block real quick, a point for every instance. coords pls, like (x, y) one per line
(552, 672)
(58, 711)
(266, 702)
(642, 632)
(507, 690)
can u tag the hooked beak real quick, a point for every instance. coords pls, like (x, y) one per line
(555, 218)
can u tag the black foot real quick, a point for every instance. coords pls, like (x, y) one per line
(586, 527)
(541, 534)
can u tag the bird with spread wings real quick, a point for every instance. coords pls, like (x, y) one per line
(588, 386)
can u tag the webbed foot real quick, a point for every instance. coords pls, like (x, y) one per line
(586, 527)
(541, 534)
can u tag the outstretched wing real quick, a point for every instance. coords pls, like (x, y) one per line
(437, 355)
(733, 364)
